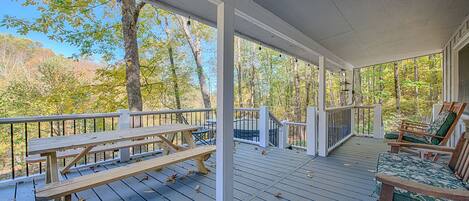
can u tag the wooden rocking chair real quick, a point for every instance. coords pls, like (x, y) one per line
(431, 179)
(422, 134)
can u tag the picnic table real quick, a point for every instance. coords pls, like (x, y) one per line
(48, 147)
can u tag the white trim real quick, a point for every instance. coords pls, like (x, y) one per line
(264, 126)
(225, 106)
(339, 143)
(311, 131)
(399, 57)
(464, 40)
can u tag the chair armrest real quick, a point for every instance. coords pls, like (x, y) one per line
(422, 188)
(421, 132)
(397, 145)
(414, 131)
(407, 122)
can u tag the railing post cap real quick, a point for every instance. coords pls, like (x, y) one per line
(123, 111)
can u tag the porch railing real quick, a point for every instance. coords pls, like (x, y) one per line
(295, 134)
(363, 119)
(339, 125)
(15, 133)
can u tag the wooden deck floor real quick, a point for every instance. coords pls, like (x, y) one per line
(348, 174)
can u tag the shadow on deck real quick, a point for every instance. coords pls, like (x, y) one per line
(347, 174)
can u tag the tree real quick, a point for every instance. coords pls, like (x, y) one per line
(92, 30)
(193, 37)
(397, 88)
(130, 13)
(174, 78)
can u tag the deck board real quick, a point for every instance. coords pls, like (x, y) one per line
(280, 174)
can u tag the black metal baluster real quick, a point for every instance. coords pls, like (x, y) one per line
(26, 145)
(12, 152)
(39, 136)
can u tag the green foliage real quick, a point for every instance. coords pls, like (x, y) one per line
(414, 106)
(90, 25)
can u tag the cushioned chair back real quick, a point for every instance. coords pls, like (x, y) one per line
(446, 106)
(459, 162)
(458, 109)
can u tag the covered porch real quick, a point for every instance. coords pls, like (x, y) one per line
(279, 174)
(330, 156)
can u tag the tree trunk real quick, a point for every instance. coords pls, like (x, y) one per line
(130, 12)
(331, 92)
(373, 88)
(309, 78)
(296, 84)
(194, 43)
(174, 78)
(397, 88)
(416, 80)
(253, 77)
(240, 72)
(357, 85)
(271, 71)
(381, 84)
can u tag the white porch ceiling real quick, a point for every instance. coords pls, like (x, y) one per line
(366, 32)
(349, 33)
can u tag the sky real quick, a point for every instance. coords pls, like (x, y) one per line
(14, 8)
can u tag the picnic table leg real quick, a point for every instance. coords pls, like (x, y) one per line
(188, 137)
(170, 138)
(77, 158)
(51, 167)
(200, 164)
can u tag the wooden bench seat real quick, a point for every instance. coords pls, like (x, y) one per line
(107, 147)
(67, 187)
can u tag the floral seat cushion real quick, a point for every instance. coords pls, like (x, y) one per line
(417, 170)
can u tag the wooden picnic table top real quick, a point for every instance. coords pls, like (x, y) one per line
(59, 143)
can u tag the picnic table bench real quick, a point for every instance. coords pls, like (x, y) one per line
(86, 143)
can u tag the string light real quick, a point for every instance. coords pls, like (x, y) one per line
(296, 60)
(280, 55)
(260, 48)
(189, 21)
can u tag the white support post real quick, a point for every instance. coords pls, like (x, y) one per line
(311, 131)
(225, 91)
(264, 126)
(283, 138)
(378, 129)
(124, 123)
(322, 126)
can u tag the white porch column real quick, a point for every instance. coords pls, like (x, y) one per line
(225, 90)
(124, 123)
(378, 130)
(322, 127)
(311, 131)
(264, 126)
(283, 138)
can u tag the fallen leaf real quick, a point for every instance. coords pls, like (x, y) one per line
(278, 195)
(172, 178)
(264, 152)
(81, 199)
(197, 188)
(143, 179)
(309, 175)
